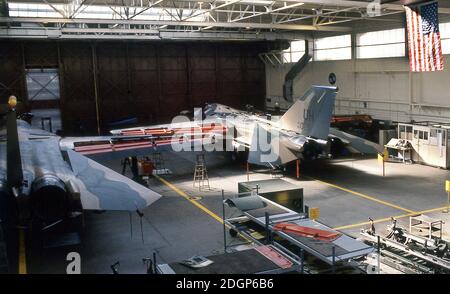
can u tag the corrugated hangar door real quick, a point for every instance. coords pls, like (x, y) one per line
(105, 82)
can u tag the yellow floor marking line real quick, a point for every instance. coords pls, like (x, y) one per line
(22, 253)
(366, 196)
(188, 198)
(388, 218)
(184, 195)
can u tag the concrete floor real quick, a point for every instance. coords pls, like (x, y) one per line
(347, 191)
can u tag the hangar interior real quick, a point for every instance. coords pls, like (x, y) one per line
(85, 67)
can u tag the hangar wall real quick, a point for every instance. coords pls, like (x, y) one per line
(383, 88)
(152, 81)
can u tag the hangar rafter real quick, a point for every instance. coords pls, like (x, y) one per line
(155, 19)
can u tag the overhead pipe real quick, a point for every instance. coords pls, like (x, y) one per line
(288, 86)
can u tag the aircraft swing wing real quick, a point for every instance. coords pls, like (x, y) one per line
(356, 144)
(104, 189)
(269, 148)
(114, 147)
(143, 141)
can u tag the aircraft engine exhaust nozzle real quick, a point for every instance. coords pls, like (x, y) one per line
(50, 200)
(311, 150)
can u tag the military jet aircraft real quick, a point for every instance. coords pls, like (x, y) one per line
(43, 182)
(303, 132)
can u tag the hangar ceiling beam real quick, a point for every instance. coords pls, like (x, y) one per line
(116, 18)
(268, 26)
(361, 4)
(212, 8)
(269, 10)
(61, 12)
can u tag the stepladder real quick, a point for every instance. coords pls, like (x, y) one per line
(201, 179)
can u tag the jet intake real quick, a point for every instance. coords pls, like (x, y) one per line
(50, 200)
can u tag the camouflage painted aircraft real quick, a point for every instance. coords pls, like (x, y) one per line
(303, 132)
(48, 183)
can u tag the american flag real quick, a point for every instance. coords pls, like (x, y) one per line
(424, 39)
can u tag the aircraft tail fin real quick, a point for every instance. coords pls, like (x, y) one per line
(311, 114)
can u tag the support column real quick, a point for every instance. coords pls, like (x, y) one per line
(61, 86)
(188, 78)
(158, 48)
(248, 172)
(94, 71)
